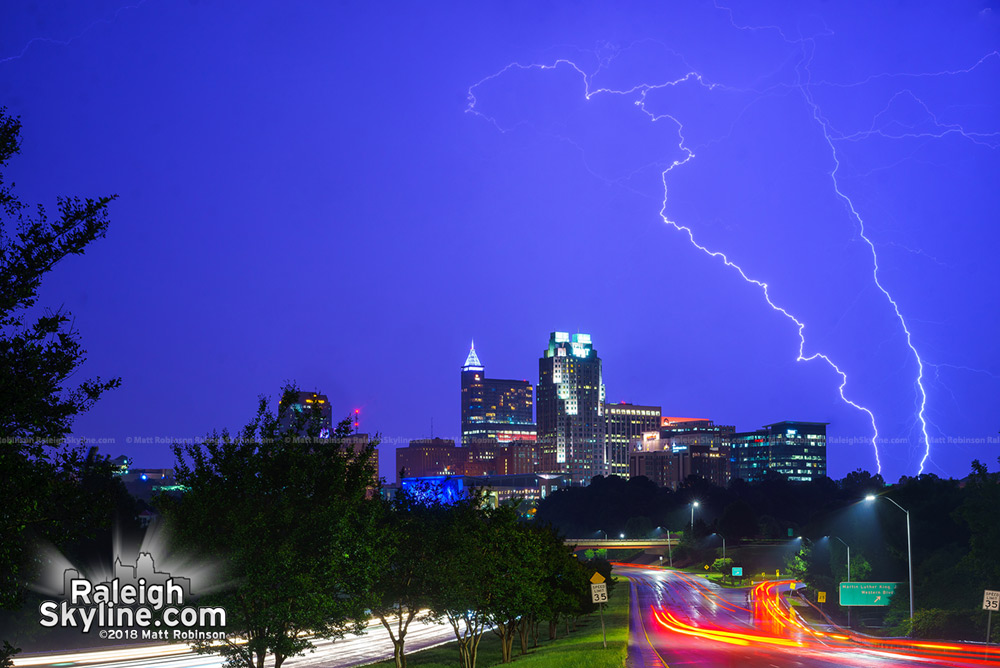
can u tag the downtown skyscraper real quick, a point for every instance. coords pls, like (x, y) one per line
(570, 408)
(494, 411)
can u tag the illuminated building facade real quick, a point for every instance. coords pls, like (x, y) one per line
(651, 456)
(430, 457)
(624, 424)
(495, 410)
(701, 448)
(571, 426)
(529, 488)
(796, 450)
(519, 457)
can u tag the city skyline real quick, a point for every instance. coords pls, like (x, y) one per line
(761, 212)
(388, 458)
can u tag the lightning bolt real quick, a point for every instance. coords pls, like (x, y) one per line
(988, 140)
(932, 127)
(825, 127)
(67, 42)
(642, 91)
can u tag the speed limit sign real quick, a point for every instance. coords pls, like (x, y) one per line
(991, 600)
(599, 593)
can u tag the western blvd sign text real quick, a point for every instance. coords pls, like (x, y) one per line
(867, 593)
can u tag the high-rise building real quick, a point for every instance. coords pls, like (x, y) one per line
(625, 423)
(495, 410)
(651, 456)
(701, 448)
(501, 458)
(571, 427)
(430, 457)
(796, 450)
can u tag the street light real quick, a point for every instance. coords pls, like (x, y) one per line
(694, 504)
(723, 544)
(848, 556)
(848, 574)
(909, 552)
(604, 532)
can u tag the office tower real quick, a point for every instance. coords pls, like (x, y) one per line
(571, 427)
(625, 423)
(701, 448)
(650, 456)
(796, 450)
(309, 414)
(494, 411)
(430, 457)
(518, 457)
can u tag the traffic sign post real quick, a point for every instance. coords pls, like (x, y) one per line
(991, 602)
(867, 593)
(599, 595)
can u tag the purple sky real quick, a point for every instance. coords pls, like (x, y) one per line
(304, 196)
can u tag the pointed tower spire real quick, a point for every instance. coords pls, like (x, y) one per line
(472, 362)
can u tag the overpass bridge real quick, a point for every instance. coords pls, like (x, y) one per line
(619, 543)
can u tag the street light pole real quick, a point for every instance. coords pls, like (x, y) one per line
(693, 506)
(848, 575)
(909, 551)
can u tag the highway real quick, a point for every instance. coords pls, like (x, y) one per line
(676, 620)
(679, 619)
(351, 650)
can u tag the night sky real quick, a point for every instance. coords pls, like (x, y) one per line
(346, 194)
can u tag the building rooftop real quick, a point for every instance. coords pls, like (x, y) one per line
(472, 362)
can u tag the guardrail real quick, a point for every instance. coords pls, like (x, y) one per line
(622, 542)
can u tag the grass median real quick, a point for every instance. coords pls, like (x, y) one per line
(581, 648)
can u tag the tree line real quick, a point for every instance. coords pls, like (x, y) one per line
(310, 550)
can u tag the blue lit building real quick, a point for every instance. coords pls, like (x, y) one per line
(530, 487)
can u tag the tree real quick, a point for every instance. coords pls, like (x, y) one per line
(460, 587)
(723, 565)
(37, 405)
(287, 512)
(517, 582)
(562, 576)
(489, 574)
(402, 587)
(37, 359)
(799, 564)
(979, 513)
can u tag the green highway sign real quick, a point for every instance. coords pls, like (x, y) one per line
(737, 571)
(867, 593)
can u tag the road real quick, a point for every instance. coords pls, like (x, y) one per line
(374, 645)
(679, 619)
